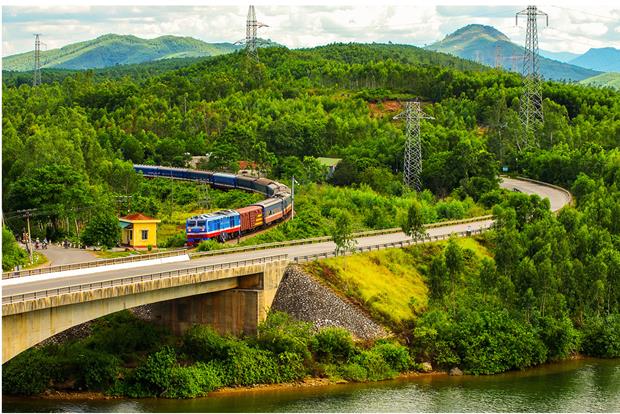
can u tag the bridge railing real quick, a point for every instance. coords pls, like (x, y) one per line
(94, 263)
(381, 246)
(129, 280)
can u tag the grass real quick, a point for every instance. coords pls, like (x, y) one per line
(389, 284)
(107, 254)
(38, 259)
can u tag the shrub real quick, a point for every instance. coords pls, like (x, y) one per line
(601, 337)
(559, 336)
(192, 381)
(208, 245)
(26, 374)
(176, 240)
(281, 333)
(480, 341)
(396, 355)
(153, 377)
(376, 367)
(248, 366)
(290, 367)
(203, 343)
(122, 334)
(12, 254)
(333, 344)
(353, 372)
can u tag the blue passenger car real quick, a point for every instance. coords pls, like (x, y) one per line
(224, 180)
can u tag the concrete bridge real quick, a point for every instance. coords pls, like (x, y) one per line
(231, 292)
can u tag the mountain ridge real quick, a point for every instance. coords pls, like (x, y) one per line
(114, 49)
(479, 42)
(604, 59)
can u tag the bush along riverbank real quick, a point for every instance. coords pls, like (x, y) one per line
(536, 289)
(125, 356)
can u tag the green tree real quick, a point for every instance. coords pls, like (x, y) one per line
(455, 264)
(12, 254)
(103, 230)
(342, 232)
(413, 224)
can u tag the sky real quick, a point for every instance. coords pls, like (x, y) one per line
(573, 26)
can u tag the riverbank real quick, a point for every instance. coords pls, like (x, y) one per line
(586, 385)
(305, 383)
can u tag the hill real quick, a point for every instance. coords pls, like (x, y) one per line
(111, 50)
(565, 57)
(478, 42)
(604, 80)
(606, 59)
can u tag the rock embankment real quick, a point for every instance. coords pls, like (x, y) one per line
(306, 299)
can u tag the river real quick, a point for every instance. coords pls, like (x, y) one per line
(588, 385)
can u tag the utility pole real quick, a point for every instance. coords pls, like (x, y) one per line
(293, 181)
(412, 169)
(498, 57)
(37, 60)
(531, 111)
(27, 214)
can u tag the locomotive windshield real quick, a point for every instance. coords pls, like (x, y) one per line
(191, 223)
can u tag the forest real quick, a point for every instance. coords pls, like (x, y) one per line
(554, 283)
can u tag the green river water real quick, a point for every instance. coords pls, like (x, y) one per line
(575, 386)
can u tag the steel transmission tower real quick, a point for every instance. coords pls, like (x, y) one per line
(531, 101)
(251, 29)
(37, 60)
(498, 57)
(413, 145)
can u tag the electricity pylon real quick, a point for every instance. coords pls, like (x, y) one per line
(531, 111)
(251, 30)
(37, 60)
(412, 170)
(498, 57)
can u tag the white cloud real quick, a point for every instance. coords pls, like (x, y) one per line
(570, 28)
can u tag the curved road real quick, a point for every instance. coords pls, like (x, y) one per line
(557, 197)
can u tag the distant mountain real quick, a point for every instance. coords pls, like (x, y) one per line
(604, 80)
(606, 59)
(480, 43)
(565, 57)
(110, 50)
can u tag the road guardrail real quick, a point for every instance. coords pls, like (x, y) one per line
(381, 246)
(323, 239)
(37, 294)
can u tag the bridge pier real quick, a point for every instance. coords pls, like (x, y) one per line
(236, 311)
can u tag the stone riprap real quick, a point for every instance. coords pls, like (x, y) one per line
(301, 296)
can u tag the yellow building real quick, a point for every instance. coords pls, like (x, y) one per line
(139, 231)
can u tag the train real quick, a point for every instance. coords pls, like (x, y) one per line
(226, 224)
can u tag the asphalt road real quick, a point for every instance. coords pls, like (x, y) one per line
(557, 199)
